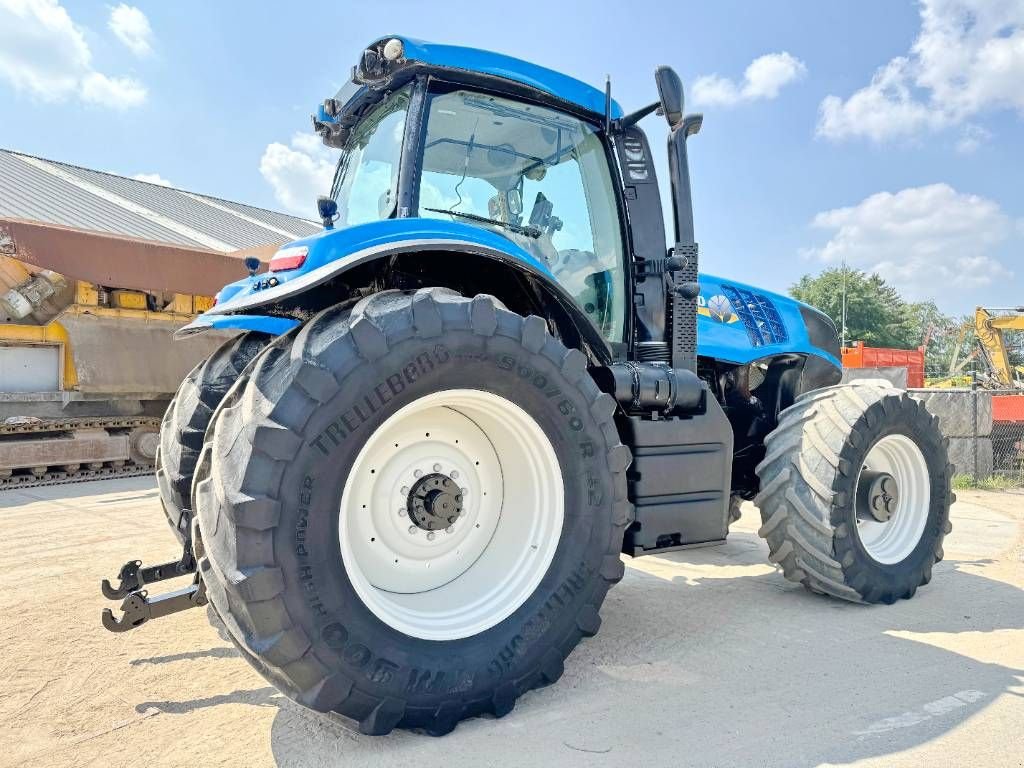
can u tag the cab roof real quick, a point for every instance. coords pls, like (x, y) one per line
(459, 57)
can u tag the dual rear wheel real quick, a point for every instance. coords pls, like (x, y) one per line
(410, 510)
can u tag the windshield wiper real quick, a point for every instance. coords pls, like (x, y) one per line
(528, 231)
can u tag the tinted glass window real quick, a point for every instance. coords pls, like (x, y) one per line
(366, 182)
(540, 178)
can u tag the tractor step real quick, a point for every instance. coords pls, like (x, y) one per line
(137, 607)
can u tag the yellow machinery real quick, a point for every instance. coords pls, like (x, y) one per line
(87, 359)
(989, 326)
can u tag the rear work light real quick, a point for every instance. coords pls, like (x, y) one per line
(289, 258)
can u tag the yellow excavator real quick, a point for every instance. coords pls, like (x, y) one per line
(87, 361)
(989, 326)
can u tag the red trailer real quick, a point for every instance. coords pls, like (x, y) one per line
(860, 356)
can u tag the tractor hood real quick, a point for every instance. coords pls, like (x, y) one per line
(739, 323)
(316, 259)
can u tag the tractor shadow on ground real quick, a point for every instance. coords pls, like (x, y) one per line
(728, 668)
(217, 652)
(709, 656)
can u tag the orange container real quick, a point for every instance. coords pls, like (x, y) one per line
(859, 356)
(1008, 407)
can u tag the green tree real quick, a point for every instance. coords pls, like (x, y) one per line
(875, 312)
(877, 315)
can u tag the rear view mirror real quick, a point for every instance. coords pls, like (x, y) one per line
(670, 94)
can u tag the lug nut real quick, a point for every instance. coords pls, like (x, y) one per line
(412, 530)
(430, 536)
(450, 528)
(417, 473)
(437, 467)
(454, 475)
(405, 490)
(402, 513)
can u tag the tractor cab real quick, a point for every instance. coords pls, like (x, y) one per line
(538, 176)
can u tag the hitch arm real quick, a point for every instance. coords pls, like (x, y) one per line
(138, 608)
(134, 577)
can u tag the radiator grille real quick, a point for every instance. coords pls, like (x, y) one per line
(759, 316)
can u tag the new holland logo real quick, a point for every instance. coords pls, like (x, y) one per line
(717, 308)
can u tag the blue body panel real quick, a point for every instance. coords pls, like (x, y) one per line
(273, 326)
(723, 335)
(722, 332)
(334, 250)
(499, 65)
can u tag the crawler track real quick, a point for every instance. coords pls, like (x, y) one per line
(24, 477)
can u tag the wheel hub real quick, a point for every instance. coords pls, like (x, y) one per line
(435, 502)
(877, 496)
(451, 514)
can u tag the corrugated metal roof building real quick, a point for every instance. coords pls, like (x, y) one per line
(59, 193)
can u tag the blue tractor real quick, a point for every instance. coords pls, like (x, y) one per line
(405, 488)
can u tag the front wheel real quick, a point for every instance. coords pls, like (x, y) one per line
(412, 511)
(855, 492)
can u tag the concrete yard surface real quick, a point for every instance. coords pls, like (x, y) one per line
(706, 657)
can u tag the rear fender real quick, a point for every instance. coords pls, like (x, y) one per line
(438, 251)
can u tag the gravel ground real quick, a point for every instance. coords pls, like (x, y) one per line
(706, 657)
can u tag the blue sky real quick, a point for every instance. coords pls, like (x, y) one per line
(888, 134)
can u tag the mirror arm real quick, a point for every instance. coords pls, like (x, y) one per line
(635, 117)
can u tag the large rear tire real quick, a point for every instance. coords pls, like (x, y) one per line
(836, 454)
(185, 422)
(323, 483)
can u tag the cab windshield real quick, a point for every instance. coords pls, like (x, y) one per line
(538, 177)
(366, 180)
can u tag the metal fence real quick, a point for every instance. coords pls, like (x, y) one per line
(1007, 435)
(985, 429)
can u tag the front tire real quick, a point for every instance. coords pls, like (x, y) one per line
(837, 454)
(457, 414)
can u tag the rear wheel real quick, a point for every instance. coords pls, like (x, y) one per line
(412, 513)
(855, 492)
(185, 421)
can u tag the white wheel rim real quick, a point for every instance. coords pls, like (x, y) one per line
(892, 541)
(454, 583)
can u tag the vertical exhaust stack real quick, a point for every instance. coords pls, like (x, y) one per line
(682, 265)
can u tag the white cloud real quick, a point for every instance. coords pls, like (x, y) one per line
(131, 27)
(44, 54)
(153, 178)
(930, 242)
(967, 58)
(119, 92)
(763, 79)
(298, 172)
